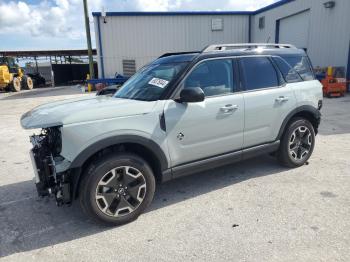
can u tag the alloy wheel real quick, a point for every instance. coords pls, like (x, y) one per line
(300, 143)
(120, 191)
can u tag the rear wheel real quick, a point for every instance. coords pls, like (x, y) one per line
(117, 189)
(16, 85)
(27, 82)
(297, 143)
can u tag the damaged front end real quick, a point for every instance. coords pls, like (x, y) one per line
(45, 155)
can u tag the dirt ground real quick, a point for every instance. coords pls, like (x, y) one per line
(252, 211)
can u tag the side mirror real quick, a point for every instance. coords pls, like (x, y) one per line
(191, 95)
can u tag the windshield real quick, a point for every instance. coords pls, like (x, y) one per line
(149, 83)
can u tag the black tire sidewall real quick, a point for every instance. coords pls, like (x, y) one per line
(284, 155)
(98, 170)
(25, 83)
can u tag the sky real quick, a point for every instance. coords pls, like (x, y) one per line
(59, 24)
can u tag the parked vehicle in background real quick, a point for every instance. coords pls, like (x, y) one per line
(108, 90)
(182, 113)
(108, 86)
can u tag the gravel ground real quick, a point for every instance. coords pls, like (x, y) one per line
(252, 211)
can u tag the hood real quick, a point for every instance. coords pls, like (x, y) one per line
(84, 109)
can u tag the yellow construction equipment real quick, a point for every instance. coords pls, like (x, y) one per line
(12, 76)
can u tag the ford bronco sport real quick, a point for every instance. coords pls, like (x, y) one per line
(182, 113)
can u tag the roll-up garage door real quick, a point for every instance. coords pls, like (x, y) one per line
(294, 29)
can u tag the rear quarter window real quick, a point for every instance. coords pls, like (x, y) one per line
(289, 73)
(302, 65)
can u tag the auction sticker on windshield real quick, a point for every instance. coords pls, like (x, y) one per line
(158, 82)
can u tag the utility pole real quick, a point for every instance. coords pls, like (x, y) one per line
(88, 38)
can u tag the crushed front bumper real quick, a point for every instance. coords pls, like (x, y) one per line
(44, 170)
(36, 172)
(45, 162)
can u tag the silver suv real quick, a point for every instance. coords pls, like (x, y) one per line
(180, 114)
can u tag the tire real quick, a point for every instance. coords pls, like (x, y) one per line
(27, 82)
(297, 143)
(16, 84)
(120, 196)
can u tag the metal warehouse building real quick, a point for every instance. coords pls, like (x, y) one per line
(128, 40)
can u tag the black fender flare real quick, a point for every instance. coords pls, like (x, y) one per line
(305, 108)
(78, 162)
(122, 139)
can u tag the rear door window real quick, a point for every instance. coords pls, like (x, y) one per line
(258, 72)
(302, 65)
(289, 74)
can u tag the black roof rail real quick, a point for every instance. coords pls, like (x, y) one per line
(178, 53)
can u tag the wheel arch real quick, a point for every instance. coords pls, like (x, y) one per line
(143, 147)
(308, 112)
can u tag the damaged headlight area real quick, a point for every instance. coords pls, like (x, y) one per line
(45, 154)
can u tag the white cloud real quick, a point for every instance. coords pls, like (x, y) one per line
(63, 20)
(59, 19)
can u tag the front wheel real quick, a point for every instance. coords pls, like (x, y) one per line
(117, 189)
(297, 143)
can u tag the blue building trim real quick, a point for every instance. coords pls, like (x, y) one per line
(272, 6)
(277, 31)
(100, 46)
(136, 13)
(173, 13)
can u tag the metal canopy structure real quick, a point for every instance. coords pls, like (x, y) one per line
(46, 53)
(65, 65)
(61, 56)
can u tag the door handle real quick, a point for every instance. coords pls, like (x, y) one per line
(281, 99)
(228, 108)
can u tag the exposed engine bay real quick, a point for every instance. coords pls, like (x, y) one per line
(45, 154)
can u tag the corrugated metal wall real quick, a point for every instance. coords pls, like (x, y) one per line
(144, 38)
(328, 31)
(295, 29)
